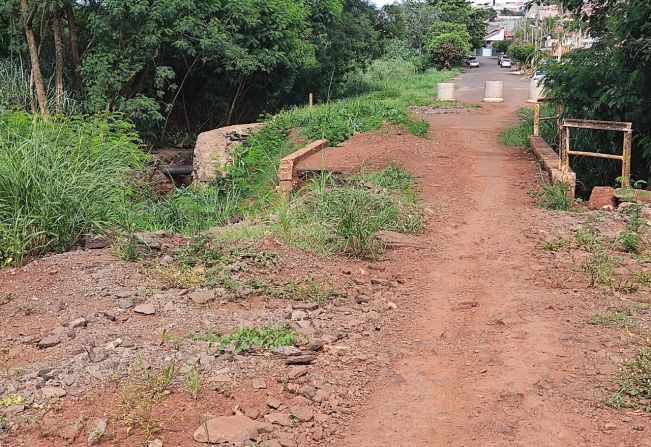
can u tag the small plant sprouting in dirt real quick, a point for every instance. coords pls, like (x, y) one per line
(642, 276)
(130, 247)
(599, 269)
(193, 381)
(199, 251)
(554, 196)
(7, 298)
(631, 236)
(29, 308)
(265, 337)
(139, 401)
(309, 290)
(618, 319)
(634, 381)
(555, 245)
(212, 336)
(586, 237)
(11, 399)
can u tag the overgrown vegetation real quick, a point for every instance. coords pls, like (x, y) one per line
(61, 179)
(634, 381)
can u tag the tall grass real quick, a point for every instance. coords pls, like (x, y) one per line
(15, 88)
(61, 179)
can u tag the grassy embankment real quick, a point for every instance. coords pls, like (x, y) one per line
(68, 177)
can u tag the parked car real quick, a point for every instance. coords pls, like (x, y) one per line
(500, 55)
(505, 62)
(472, 62)
(538, 75)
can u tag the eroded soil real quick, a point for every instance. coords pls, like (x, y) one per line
(481, 338)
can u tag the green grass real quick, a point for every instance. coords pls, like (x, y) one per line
(554, 196)
(634, 382)
(599, 268)
(345, 217)
(518, 134)
(555, 245)
(61, 179)
(255, 164)
(617, 319)
(265, 337)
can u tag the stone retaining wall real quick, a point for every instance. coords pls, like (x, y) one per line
(286, 170)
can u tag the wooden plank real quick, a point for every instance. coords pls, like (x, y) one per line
(596, 155)
(536, 120)
(598, 125)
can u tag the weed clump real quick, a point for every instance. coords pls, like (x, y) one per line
(265, 337)
(634, 381)
(554, 196)
(348, 216)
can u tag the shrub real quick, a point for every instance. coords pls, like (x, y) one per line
(61, 179)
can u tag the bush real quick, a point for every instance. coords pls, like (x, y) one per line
(522, 52)
(61, 179)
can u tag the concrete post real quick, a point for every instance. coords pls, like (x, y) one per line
(445, 91)
(493, 91)
(535, 91)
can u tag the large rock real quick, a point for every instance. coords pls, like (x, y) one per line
(213, 150)
(233, 430)
(602, 196)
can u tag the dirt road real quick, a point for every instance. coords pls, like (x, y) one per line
(487, 362)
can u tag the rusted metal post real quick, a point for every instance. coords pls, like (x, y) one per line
(536, 119)
(626, 162)
(310, 100)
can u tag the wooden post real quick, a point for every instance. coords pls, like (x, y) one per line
(565, 136)
(536, 119)
(310, 100)
(626, 162)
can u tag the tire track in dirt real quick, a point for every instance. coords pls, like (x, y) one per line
(481, 358)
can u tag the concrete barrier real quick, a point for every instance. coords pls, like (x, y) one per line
(493, 91)
(551, 164)
(536, 91)
(287, 164)
(445, 91)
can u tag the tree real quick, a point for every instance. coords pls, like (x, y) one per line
(522, 52)
(448, 49)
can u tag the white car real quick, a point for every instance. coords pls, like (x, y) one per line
(472, 62)
(505, 62)
(538, 75)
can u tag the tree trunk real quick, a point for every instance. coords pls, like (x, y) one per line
(28, 18)
(58, 61)
(74, 49)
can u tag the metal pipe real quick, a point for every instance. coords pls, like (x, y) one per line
(176, 170)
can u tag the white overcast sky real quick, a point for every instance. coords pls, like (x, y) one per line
(382, 2)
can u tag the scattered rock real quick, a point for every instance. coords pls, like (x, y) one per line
(49, 341)
(145, 309)
(125, 303)
(259, 384)
(96, 355)
(299, 315)
(303, 414)
(301, 360)
(78, 322)
(50, 392)
(97, 431)
(305, 306)
(283, 419)
(96, 242)
(286, 440)
(70, 432)
(274, 402)
(202, 296)
(296, 372)
(602, 196)
(230, 429)
(155, 443)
